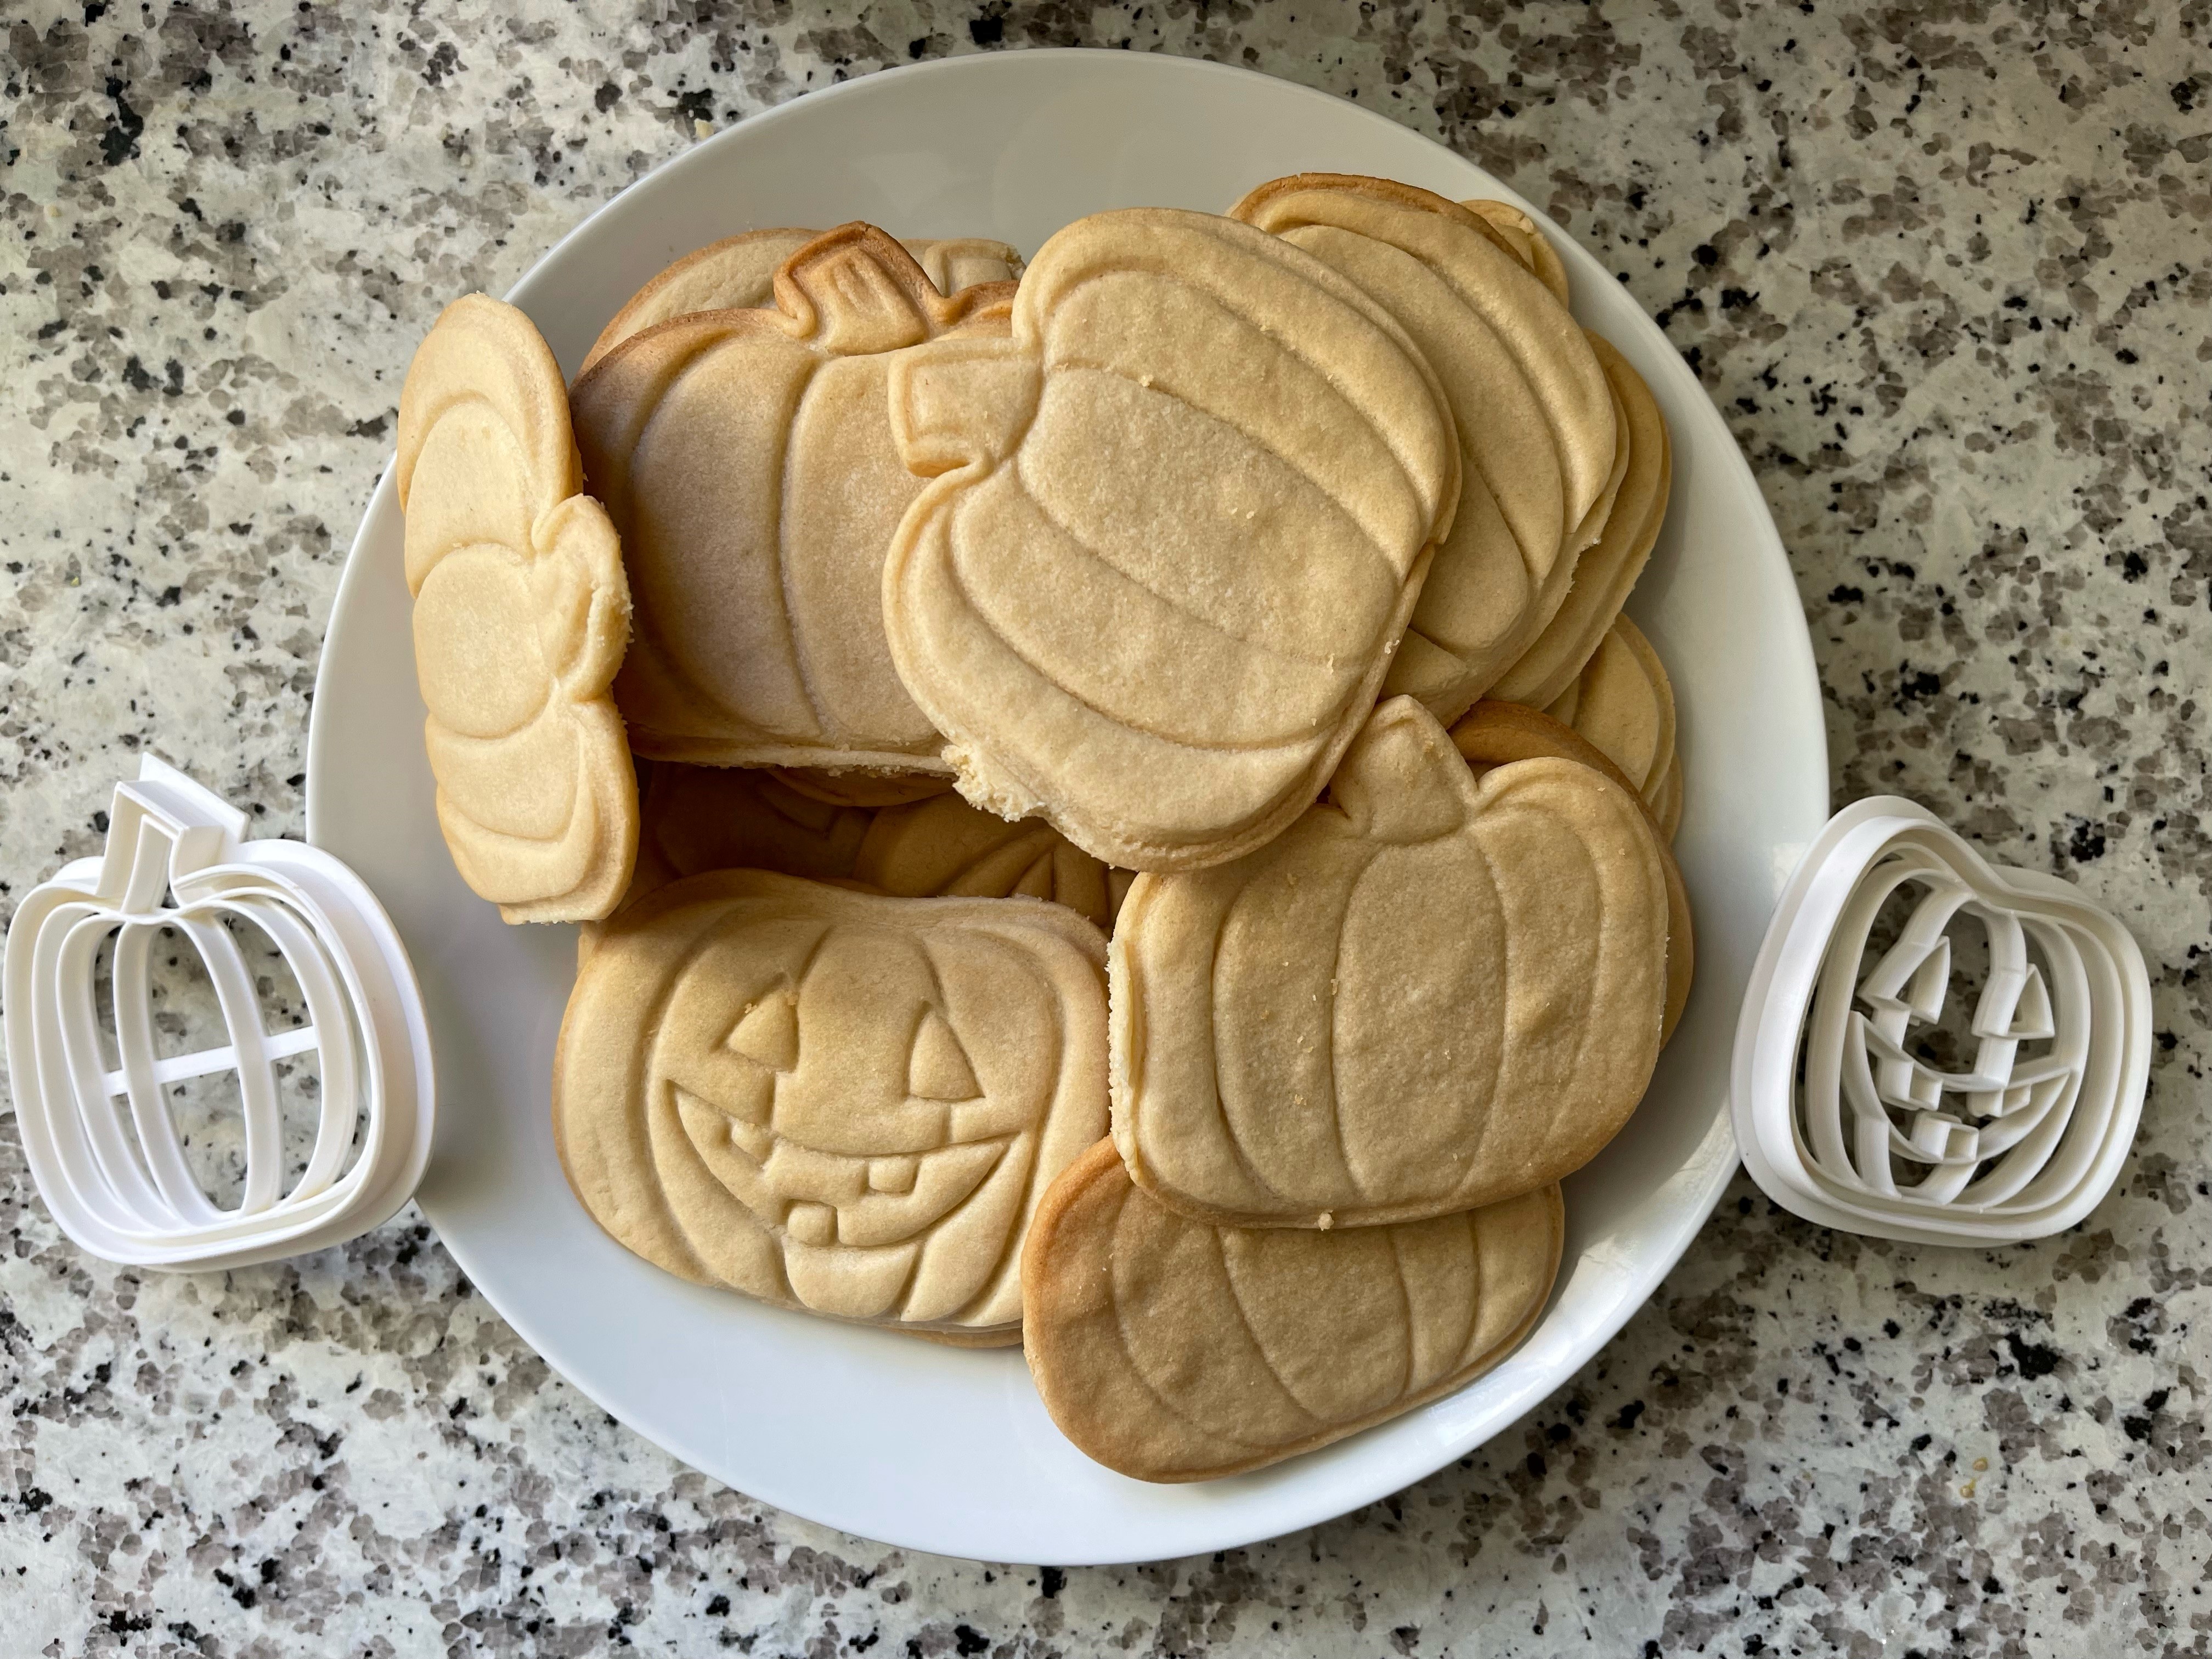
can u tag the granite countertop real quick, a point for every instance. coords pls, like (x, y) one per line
(1945, 271)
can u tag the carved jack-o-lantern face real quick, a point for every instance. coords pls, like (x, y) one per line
(833, 1100)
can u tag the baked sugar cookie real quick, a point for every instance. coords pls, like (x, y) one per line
(1623, 702)
(1429, 993)
(1179, 520)
(697, 818)
(520, 616)
(1526, 243)
(1170, 1349)
(945, 846)
(1535, 417)
(747, 458)
(739, 272)
(829, 1100)
(1493, 734)
(1607, 570)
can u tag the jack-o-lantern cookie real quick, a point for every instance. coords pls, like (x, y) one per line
(830, 1100)
(521, 615)
(1184, 513)
(739, 271)
(1171, 1349)
(1493, 734)
(1535, 418)
(945, 846)
(1623, 702)
(1428, 993)
(746, 456)
(1608, 569)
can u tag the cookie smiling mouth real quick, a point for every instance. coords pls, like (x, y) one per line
(819, 1198)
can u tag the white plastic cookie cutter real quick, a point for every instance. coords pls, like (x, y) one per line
(118, 1181)
(1839, 1118)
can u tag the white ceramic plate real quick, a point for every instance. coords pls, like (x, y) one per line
(930, 1448)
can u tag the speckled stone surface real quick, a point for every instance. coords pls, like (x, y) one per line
(1945, 268)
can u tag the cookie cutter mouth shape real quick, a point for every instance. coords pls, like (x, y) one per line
(100, 1138)
(1844, 1120)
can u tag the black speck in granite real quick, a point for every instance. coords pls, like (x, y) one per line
(1945, 272)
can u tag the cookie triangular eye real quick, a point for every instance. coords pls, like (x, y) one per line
(1929, 982)
(939, 1069)
(768, 1032)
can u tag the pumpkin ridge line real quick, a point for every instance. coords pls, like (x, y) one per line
(1392, 579)
(1406, 1310)
(1375, 319)
(1336, 981)
(1229, 1135)
(952, 577)
(1474, 456)
(785, 487)
(1496, 907)
(1548, 337)
(1155, 258)
(1244, 1322)
(1074, 363)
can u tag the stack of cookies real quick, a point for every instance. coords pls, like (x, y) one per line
(876, 630)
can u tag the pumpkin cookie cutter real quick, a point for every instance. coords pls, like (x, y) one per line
(1845, 1120)
(98, 1130)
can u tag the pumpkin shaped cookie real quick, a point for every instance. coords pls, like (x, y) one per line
(830, 1100)
(739, 271)
(1183, 516)
(1623, 702)
(945, 846)
(1535, 418)
(1608, 569)
(1493, 734)
(747, 458)
(1430, 993)
(1171, 1349)
(520, 616)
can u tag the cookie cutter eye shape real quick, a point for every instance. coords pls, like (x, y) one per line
(1176, 524)
(1429, 993)
(1878, 1138)
(102, 1145)
(833, 1101)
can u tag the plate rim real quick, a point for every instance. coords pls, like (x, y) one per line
(1709, 1167)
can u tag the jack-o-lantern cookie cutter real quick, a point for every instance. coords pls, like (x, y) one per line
(1845, 1120)
(99, 1133)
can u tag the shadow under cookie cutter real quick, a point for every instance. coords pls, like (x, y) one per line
(102, 1142)
(1874, 1138)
